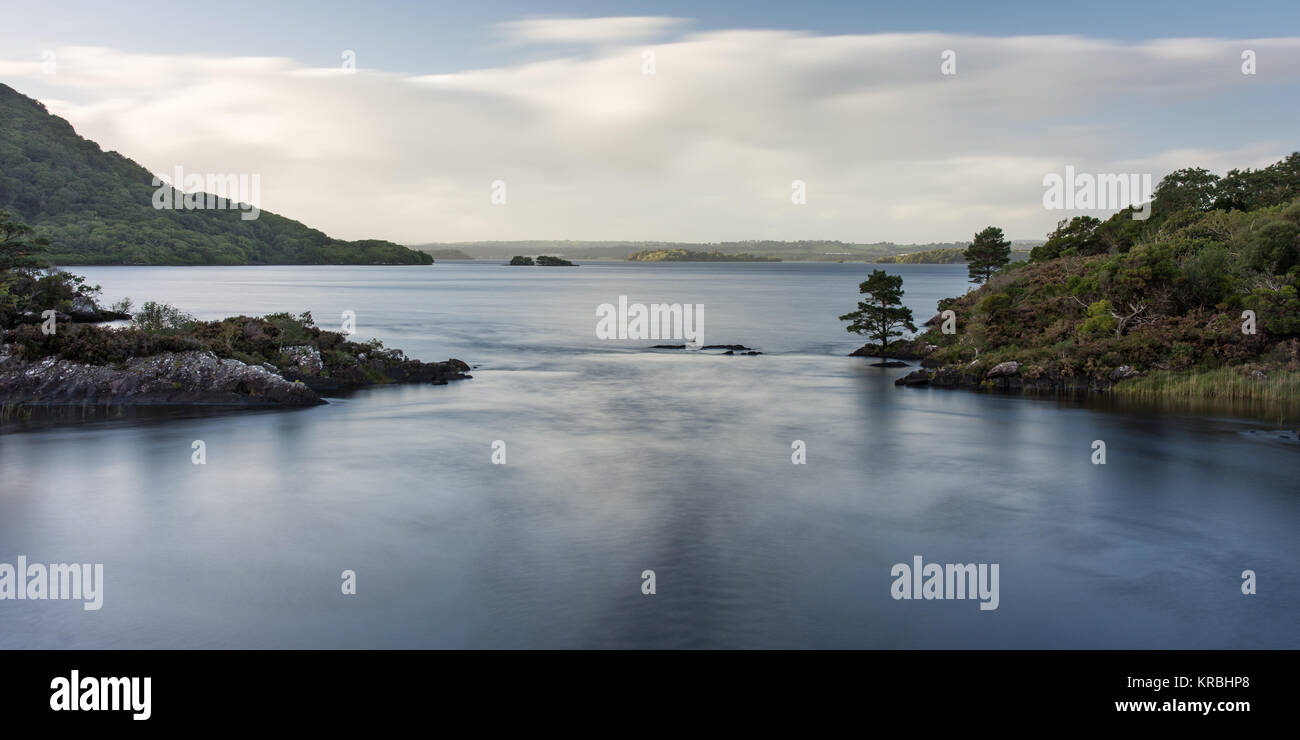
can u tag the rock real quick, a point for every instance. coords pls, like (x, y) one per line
(1003, 370)
(169, 379)
(931, 363)
(732, 347)
(889, 363)
(669, 346)
(1123, 372)
(914, 378)
(947, 377)
(306, 358)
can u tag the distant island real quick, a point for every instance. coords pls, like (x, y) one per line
(98, 208)
(541, 261)
(1197, 301)
(813, 250)
(947, 256)
(686, 255)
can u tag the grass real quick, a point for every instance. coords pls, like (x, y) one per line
(1221, 384)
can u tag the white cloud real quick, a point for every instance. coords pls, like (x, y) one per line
(705, 149)
(588, 30)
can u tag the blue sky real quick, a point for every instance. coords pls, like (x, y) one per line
(427, 37)
(551, 98)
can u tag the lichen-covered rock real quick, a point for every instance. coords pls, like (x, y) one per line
(167, 379)
(1003, 370)
(305, 357)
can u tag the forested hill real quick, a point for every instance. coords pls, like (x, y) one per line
(97, 207)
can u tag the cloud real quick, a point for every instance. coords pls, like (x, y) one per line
(706, 148)
(588, 30)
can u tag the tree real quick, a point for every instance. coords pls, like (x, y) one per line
(882, 314)
(987, 254)
(1190, 187)
(1076, 236)
(17, 247)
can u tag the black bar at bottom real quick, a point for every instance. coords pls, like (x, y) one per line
(935, 688)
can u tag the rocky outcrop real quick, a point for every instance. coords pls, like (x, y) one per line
(200, 378)
(907, 349)
(377, 367)
(167, 379)
(1007, 377)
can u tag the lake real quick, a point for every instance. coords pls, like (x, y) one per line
(620, 460)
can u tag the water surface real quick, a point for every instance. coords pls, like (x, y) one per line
(621, 460)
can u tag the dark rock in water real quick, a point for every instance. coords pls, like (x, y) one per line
(909, 349)
(751, 353)
(890, 363)
(729, 352)
(914, 378)
(732, 347)
(949, 377)
(669, 346)
(169, 379)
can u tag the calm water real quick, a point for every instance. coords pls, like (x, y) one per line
(621, 460)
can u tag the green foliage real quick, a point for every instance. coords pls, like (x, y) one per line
(1076, 236)
(988, 253)
(1185, 189)
(1162, 296)
(882, 315)
(546, 261)
(993, 303)
(1277, 310)
(161, 317)
(96, 207)
(1100, 320)
(518, 260)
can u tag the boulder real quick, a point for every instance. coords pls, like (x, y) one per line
(1003, 370)
(1123, 372)
(305, 357)
(914, 378)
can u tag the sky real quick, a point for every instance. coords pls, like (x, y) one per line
(668, 120)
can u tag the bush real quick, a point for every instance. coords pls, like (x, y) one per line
(161, 317)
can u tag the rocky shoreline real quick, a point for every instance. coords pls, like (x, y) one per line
(198, 378)
(1006, 377)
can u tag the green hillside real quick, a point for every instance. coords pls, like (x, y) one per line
(96, 207)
